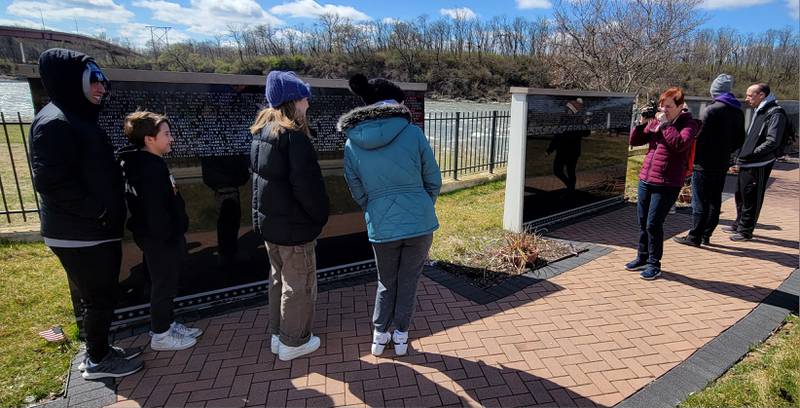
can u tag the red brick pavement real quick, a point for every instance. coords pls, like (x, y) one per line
(591, 336)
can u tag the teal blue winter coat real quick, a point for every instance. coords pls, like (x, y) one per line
(391, 172)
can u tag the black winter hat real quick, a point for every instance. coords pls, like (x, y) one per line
(376, 89)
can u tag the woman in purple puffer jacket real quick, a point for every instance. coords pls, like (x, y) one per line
(670, 136)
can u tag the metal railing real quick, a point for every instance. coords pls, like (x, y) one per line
(468, 142)
(20, 203)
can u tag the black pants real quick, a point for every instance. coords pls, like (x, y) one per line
(94, 272)
(752, 186)
(707, 186)
(564, 168)
(230, 217)
(164, 262)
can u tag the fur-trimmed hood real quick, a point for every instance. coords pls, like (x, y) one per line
(374, 126)
(371, 112)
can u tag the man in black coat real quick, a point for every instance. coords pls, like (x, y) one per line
(82, 206)
(722, 133)
(756, 157)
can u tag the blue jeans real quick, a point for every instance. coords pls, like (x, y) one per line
(707, 189)
(652, 208)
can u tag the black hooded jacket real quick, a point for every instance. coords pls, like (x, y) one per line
(158, 212)
(74, 170)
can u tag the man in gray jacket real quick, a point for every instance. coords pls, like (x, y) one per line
(756, 157)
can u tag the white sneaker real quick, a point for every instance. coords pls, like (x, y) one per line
(400, 340)
(171, 341)
(379, 341)
(275, 344)
(286, 353)
(186, 331)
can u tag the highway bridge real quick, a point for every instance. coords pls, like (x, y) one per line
(57, 38)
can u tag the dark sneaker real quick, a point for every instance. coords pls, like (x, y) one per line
(686, 240)
(731, 229)
(112, 366)
(706, 241)
(636, 265)
(650, 273)
(126, 353)
(738, 237)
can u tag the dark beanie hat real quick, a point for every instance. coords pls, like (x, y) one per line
(376, 89)
(285, 86)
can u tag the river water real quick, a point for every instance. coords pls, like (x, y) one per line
(15, 96)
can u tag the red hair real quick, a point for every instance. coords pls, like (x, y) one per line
(674, 93)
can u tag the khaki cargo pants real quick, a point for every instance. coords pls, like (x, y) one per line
(292, 291)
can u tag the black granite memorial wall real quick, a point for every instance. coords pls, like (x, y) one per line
(576, 154)
(226, 260)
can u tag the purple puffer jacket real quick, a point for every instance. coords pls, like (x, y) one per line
(668, 156)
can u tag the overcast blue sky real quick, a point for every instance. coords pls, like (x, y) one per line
(201, 19)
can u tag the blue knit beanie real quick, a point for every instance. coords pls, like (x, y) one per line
(285, 86)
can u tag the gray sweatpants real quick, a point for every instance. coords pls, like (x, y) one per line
(399, 267)
(292, 291)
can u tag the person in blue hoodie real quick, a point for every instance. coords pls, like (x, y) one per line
(721, 134)
(392, 174)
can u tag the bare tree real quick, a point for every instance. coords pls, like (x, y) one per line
(237, 34)
(620, 45)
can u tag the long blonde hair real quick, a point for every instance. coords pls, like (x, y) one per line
(282, 118)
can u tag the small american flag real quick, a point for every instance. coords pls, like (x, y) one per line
(53, 334)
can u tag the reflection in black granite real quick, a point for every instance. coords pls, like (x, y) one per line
(225, 175)
(576, 152)
(210, 162)
(567, 144)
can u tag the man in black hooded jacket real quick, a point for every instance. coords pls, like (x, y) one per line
(82, 207)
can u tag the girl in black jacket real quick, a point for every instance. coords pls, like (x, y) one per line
(290, 207)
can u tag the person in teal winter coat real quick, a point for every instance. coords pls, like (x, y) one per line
(393, 176)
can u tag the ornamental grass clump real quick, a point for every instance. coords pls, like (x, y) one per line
(519, 251)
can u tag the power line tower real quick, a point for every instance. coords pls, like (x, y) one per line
(159, 39)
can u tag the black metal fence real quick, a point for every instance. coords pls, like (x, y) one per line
(468, 142)
(20, 204)
(463, 143)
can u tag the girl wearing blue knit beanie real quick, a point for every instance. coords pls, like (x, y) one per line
(290, 207)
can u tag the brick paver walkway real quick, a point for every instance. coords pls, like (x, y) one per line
(591, 336)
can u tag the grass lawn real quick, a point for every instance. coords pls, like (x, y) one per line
(769, 376)
(15, 131)
(35, 297)
(466, 216)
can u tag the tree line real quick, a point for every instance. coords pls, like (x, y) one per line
(610, 45)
